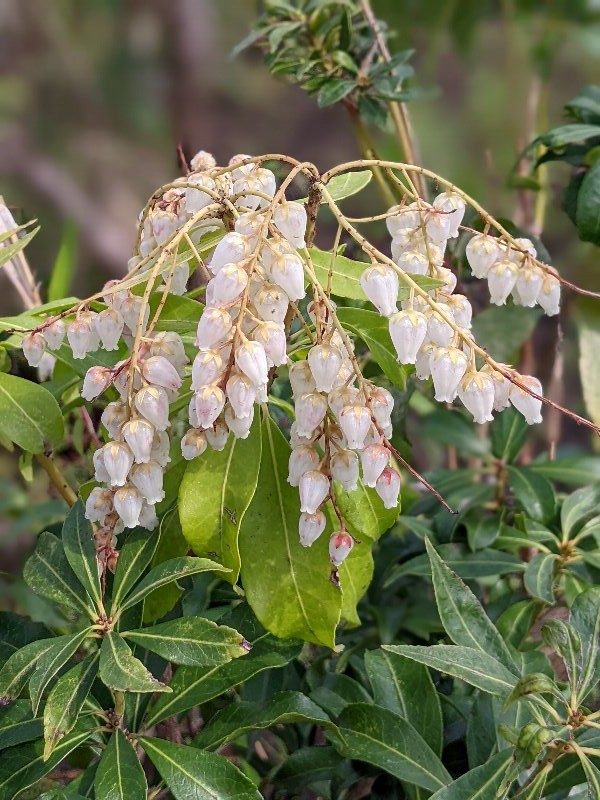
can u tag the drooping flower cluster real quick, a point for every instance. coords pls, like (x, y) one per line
(432, 330)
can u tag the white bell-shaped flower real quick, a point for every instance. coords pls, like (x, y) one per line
(118, 460)
(524, 247)
(454, 206)
(210, 401)
(252, 186)
(414, 262)
(448, 365)
(34, 347)
(203, 160)
(214, 326)
(164, 224)
(250, 224)
(549, 295)
(482, 251)
(502, 277)
(159, 371)
(82, 336)
(207, 367)
(100, 473)
(310, 527)
(403, 218)
(128, 504)
(448, 279)
(355, 422)
(109, 326)
(530, 407)
(271, 303)
(241, 393)
(301, 378)
(439, 331)
(169, 345)
(407, 330)
(287, 271)
(195, 198)
(148, 518)
(233, 248)
(501, 387)
(98, 504)
(251, 359)
(139, 435)
(302, 459)
(476, 392)
(290, 219)
(218, 435)
(96, 380)
(374, 459)
(438, 226)
(296, 439)
(344, 467)
(314, 488)
(161, 448)
(423, 361)
(405, 242)
(227, 285)
(54, 334)
(153, 404)
(387, 487)
(310, 412)
(192, 416)
(239, 426)
(135, 313)
(380, 284)
(272, 337)
(340, 545)
(113, 417)
(193, 444)
(179, 279)
(528, 285)
(382, 405)
(344, 396)
(325, 361)
(148, 479)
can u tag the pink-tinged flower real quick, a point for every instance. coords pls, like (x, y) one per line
(314, 488)
(310, 412)
(340, 545)
(135, 313)
(128, 503)
(159, 371)
(529, 406)
(387, 487)
(207, 367)
(380, 284)
(193, 444)
(217, 435)
(195, 198)
(239, 426)
(241, 393)
(476, 392)
(251, 359)
(118, 460)
(153, 404)
(96, 380)
(374, 459)
(114, 415)
(448, 365)
(382, 405)
(302, 459)
(34, 347)
(310, 527)
(160, 448)
(344, 469)
(227, 285)
(482, 251)
(272, 337)
(139, 435)
(98, 504)
(325, 361)
(169, 345)
(109, 327)
(233, 248)
(148, 479)
(213, 327)
(407, 331)
(54, 334)
(210, 401)
(82, 336)
(355, 421)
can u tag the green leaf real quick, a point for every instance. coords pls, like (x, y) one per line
(462, 615)
(239, 718)
(308, 766)
(274, 563)
(406, 688)
(172, 570)
(17, 724)
(171, 544)
(135, 555)
(389, 742)
(480, 783)
(565, 641)
(567, 134)
(29, 415)
(193, 641)
(364, 512)
(64, 265)
(214, 495)
(540, 575)
(373, 330)
(588, 327)
(533, 492)
(503, 330)
(80, 550)
(585, 619)
(577, 471)
(178, 314)
(509, 432)
(66, 700)
(355, 576)
(470, 665)
(120, 775)
(578, 509)
(191, 773)
(52, 661)
(592, 774)
(48, 573)
(17, 631)
(466, 564)
(17, 669)
(515, 623)
(121, 671)
(9, 251)
(342, 186)
(588, 205)
(334, 91)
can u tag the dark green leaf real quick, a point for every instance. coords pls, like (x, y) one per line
(51, 662)
(567, 134)
(509, 432)
(308, 766)
(364, 512)
(503, 330)
(533, 492)
(17, 631)
(171, 544)
(64, 265)
(585, 619)
(578, 509)
(588, 205)
(480, 783)
(29, 415)
(80, 550)
(17, 724)
(135, 555)
(178, 314)
(569, 471)
(121, 671)
(515, 623)
(120, 775)
(334, 91)
(372, 328)
(17, 669)
(540, 575)
(66, 700)
(464, 563)
(564, 640)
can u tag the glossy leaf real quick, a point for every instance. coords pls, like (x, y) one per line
(589, 343)
(480, 783)
(533, 492)
(171, 544)
(120, 775)
(578, 509)
(466, 564)
(342, 186)
(588, 204)
(134, 556)
(121, 671)
(178, 314)
(214, 495)
(585, 619)
(364, 512)
(564, 640)
(29, 415)
(17, 669)
(189, 772)
(17, 724)
(503, 330)
(355, 575)
(509, 432)
(80, 550)
(540, 576)
(373, 330)
(515, 623)
(51, 662)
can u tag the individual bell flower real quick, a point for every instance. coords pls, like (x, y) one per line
(128, 504)
(45, 368)
(344, 396)
(227, 285)
(314, 488)
(482, 251)
(549, 295)
(54, 334)
(345, 469)
(109, 327)
(462, 310)
(454, 206)
(218, 435)
(258, 182)
(193, 444)
(382, 405)
(290, 219)
(272, 337)
(241, 393)
(530, 407)
(301, 378)
(202, 161)
(287, 271)
(153, 404)
(214, 325)
(448, 365)
(139, 435)
(164, 224)
(250, 224)
(439, 331)
(135, 312)
(161, 447)
(96, 380)
(310, 527)
(528, 285)
(448, 279)
(239, 426)
(82, 336)
(159, 371)
(251, 359)
(355, 421)
(403, 218)
(180, 276)
(502, 277)
(501, 387)
(233, 248)
(340, 545)
(406, 241)
(118, 460)
(476, 393)
(407, 331)
(100, 473)
(98, 504)
(148, 519)
(198, 198)
(34, 346)
(423, 361)
(169, 345)
(387, 487)
(297, 439)
(207, 367)
(148, 479)
(113, 417)
(524, 247)
(374, 459)
(380, 284)
(310, 412)
(414, 262)
(325, 361)
(210, 401)
(271, 303)
(438, 226)
(302, 459)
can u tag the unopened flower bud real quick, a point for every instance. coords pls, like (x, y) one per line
(407, 330)
(113, 416)
(380, 284)
(109, 326)
(340, 545)
(454, 206)
(310, 412)
(314, 488)
(448, 365)
(169, 345)
(403, 218)
(382, 405)
(207, 368)
(135, 313)
(355, 422)
(34, 346)
(54, 334)
(96, 380)
(325, 361)
(214, 325)
(302, 459)
(387, 487)
(414, 262)
(118, 460)
(344, 469)
(310, 527)
(193, 444)
(233, 248)
(98, 504)
(476, 392)
(241, 393)
(148, 518)
(100, 473)
(227, 285)
(153, 404)
(529, 406)
(82, 336)
(139, 435)
(148, 479)
(272, 337)
(158, 371)
(374, 459)
(128, 505)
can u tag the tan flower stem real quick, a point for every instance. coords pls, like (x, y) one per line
(57, 478)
